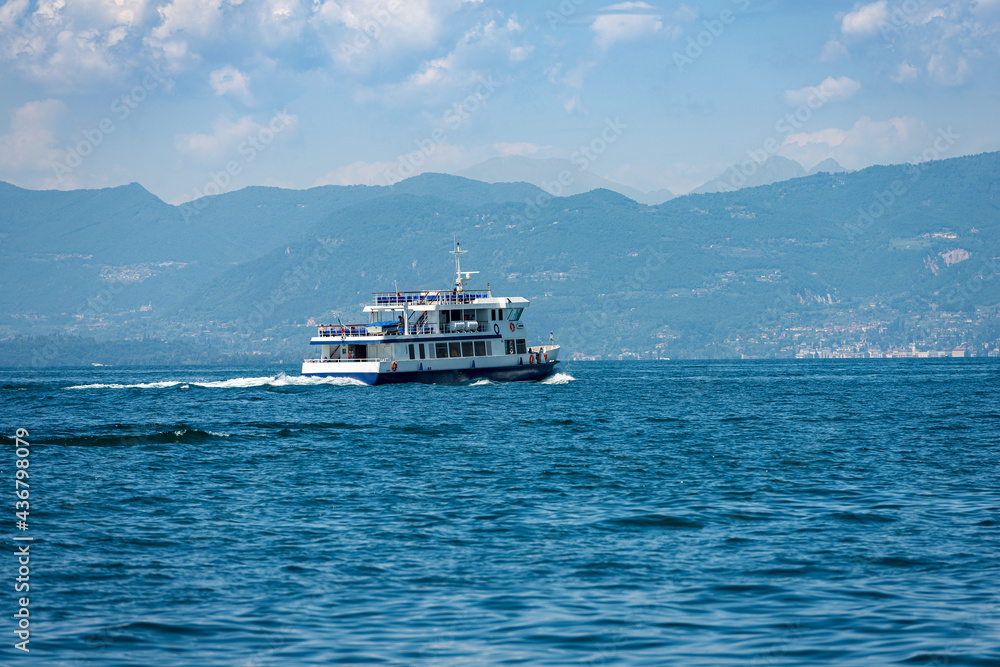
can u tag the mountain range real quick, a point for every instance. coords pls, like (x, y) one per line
(751, 174)
(885, 255)
(557, 177)
(568, 177)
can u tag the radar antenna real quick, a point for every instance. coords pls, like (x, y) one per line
(461, 277)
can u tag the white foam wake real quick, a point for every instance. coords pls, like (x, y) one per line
(279, 380)
(141, 385)
(558, 378)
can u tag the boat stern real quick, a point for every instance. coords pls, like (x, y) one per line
(545, 354)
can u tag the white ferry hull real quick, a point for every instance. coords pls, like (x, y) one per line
(445, 376)
(441, 371)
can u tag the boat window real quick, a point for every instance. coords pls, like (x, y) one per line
(493, 314)
(456, 316)
(467, 348)
(422, 351)
(412, 355)
(500, 314)
(441, 350)
(514, 314)
(455, 349)
(510, 346)
(480, 348)
(521, 347)
(489, 349)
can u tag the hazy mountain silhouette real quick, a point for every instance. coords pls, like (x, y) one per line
(556, 176)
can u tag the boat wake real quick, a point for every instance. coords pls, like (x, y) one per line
(558, 378)
(279, 380)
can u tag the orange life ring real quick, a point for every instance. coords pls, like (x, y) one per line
(546, 357)
(512, 327)
(531, 358)
(394, 365)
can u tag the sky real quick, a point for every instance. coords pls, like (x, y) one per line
(196, 97)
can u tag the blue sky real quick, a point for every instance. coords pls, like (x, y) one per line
(192, 97)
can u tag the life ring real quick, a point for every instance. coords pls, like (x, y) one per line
(496, 329)
(512, 327)
(546, 357)
(531, 358)
(394, 365)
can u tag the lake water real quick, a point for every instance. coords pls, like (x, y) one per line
(691, 513)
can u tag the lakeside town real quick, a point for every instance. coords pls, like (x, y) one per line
(871, 331)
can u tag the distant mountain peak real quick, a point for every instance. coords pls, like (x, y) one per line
(738, 176)
(558, 177)
(460, 188)
(829, 166)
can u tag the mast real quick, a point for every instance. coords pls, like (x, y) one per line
(458, 252)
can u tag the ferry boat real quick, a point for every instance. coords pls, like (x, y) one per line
(434, 336)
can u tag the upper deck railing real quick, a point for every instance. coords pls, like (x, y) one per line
(447, 297)
(353, 330)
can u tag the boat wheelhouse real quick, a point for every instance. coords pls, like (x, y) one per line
(434, 336)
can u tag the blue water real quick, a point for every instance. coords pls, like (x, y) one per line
(726, 513)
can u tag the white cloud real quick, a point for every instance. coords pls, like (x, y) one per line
(685, 13)
(830, 90)
(358, 34)
(230, 81)
(948, 41)
(833, 51)
(831, 136)
(986, 9)
(868, 142)
(11, 13)
(948, 68)
(619, 23)
(108, 12)
(189, 17)
(626, 6)
(520, 53)
(905, 72)
(463, 71)
(865, 20)
(228, 135)
(578, 74)
(70, 46)
(79, 54)
(84, 41)
(31, 142)
(440, 157)
(183, 22)
(625, 22)
(283, 21)
(574, 105)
